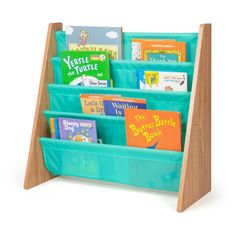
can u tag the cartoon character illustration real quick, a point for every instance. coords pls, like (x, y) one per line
(102, 57)
(181, 82)
(151, 78)
(70, 136)
(168, 88)
(83, 37)
(95, 57)
(153, 146)
(81, 138)
(84, 81)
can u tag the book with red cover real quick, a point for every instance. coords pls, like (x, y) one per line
(153, 129)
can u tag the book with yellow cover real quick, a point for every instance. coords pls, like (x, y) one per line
(163, 51)
(153, 129)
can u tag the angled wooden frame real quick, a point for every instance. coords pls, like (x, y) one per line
(36, 172)
(195, 179)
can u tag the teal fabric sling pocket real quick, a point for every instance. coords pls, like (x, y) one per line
(190, 39)
(112, 160)
(155, 169)
(123, 73)
(111, 130)
(66, 98)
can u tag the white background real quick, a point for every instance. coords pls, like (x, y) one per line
(68, 206)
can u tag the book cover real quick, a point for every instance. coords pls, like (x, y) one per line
(163, 51)
(85, 68)
(91, 38)
(153, 129)
(54, 128)
(78, 130)
(93, 103)
(136, 46)
(116, 106)
(160, 80)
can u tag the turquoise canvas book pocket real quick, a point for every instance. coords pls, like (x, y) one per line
(139, 167)
(123, 72)
(112, 160)
(64, 98)
(189, 38)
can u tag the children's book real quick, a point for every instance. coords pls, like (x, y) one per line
(78, 130)
(160, 80)
(93, 103)
(153, 129)
(116, 106)
(89, 38)
(136, 46)
(85, 68)
(163, 51)
(54, 128)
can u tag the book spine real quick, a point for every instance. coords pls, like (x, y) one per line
(61, 128)
(57, 134)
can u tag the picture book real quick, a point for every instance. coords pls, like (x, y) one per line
(163, 51)
(54, 128)
(153, 129)
(85, 68)
(160, 80)
(89, 38)
(116, 106)
(78, 130)
(136, 47)
(93, 103)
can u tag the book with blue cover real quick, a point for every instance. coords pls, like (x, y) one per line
(116, 106)
(93, 38)
(77, 130)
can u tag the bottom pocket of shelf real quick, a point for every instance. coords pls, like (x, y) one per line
(155, 169)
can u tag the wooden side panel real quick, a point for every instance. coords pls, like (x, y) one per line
(35, 171)
(196, 170)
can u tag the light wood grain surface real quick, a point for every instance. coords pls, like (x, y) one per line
(196, 169)
(36, 172)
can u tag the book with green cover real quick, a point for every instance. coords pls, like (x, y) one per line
(85, 68)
